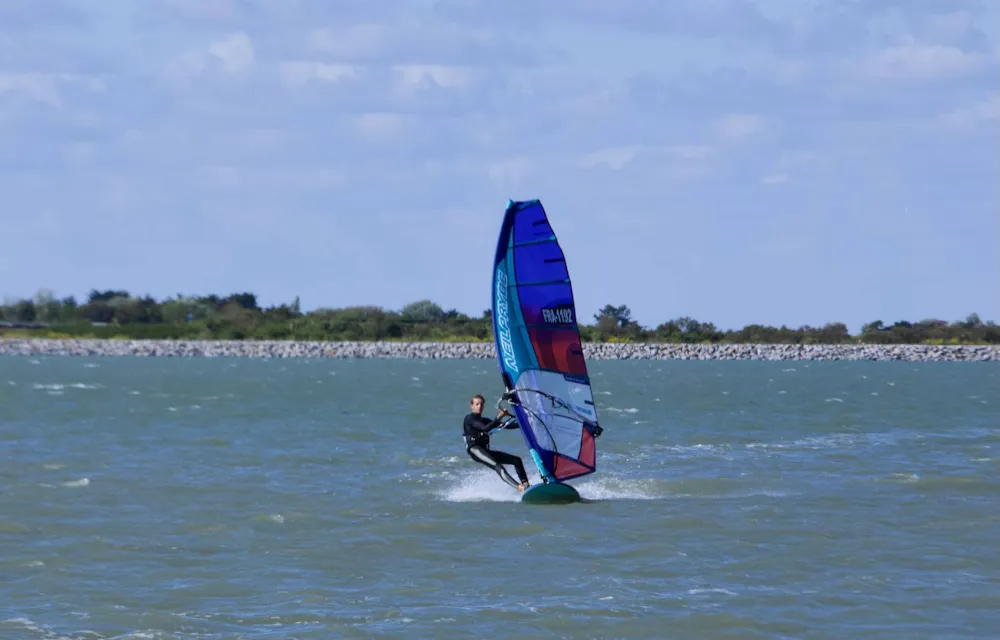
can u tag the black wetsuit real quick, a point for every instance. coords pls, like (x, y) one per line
(477, 444)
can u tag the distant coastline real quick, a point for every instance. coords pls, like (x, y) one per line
(117, 314)
(486, 350)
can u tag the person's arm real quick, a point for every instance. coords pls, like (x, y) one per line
(503, 413)
(513, 424)
(477, 427)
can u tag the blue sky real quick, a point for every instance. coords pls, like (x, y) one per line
(775, 161)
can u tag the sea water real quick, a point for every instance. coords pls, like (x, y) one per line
(226, 498)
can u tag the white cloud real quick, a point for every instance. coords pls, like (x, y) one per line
(984, 111)
(380, 126)
(951, 24)
(508, 173)
(412, 76)
(693, 152)
(290, 179)
(918, 61)
(617, 158)
(736, 127)
(45, 88)
(351, 42)
(204, 9)
(782, 171)
(233, 54)
(34, 87)
(613, 158)
(413, 40)
(81, 153)
(302, 72)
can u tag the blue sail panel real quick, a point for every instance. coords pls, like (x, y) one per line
(538, 344)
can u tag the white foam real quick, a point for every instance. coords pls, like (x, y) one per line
(60, 387)
(727, 592)
(82, 482)
(831, 441)
(691, 450)
(485, 486)
(610, 488)
(480, 486)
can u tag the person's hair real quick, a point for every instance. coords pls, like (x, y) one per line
(477, 396)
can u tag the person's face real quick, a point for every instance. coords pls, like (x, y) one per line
(477, 405)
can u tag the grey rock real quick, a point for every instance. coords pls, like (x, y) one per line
(486, 350)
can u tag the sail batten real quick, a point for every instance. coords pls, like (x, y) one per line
(538, 345)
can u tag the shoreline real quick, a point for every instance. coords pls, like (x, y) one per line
(486, 350)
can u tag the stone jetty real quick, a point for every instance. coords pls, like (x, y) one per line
(481, 350)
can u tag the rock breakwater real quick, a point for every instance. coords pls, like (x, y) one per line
(480, 350)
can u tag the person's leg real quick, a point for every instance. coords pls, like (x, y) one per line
(482, 456)
(506, 458)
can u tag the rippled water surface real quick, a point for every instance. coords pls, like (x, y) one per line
(221, 498)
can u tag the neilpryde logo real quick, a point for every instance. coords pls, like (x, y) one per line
(503, 326)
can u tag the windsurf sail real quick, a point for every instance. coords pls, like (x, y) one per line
(538, 345)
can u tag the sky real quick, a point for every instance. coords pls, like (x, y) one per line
(774, 161)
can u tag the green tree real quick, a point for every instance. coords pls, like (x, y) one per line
(611, 316)
(423, 311)
(239, 315)
(47, 308)
(25, 311)
(104, 296)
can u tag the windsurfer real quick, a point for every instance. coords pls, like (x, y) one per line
(477, 429)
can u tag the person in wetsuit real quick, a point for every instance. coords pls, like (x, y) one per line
(476, 429)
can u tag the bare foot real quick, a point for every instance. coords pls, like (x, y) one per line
(521, 487)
